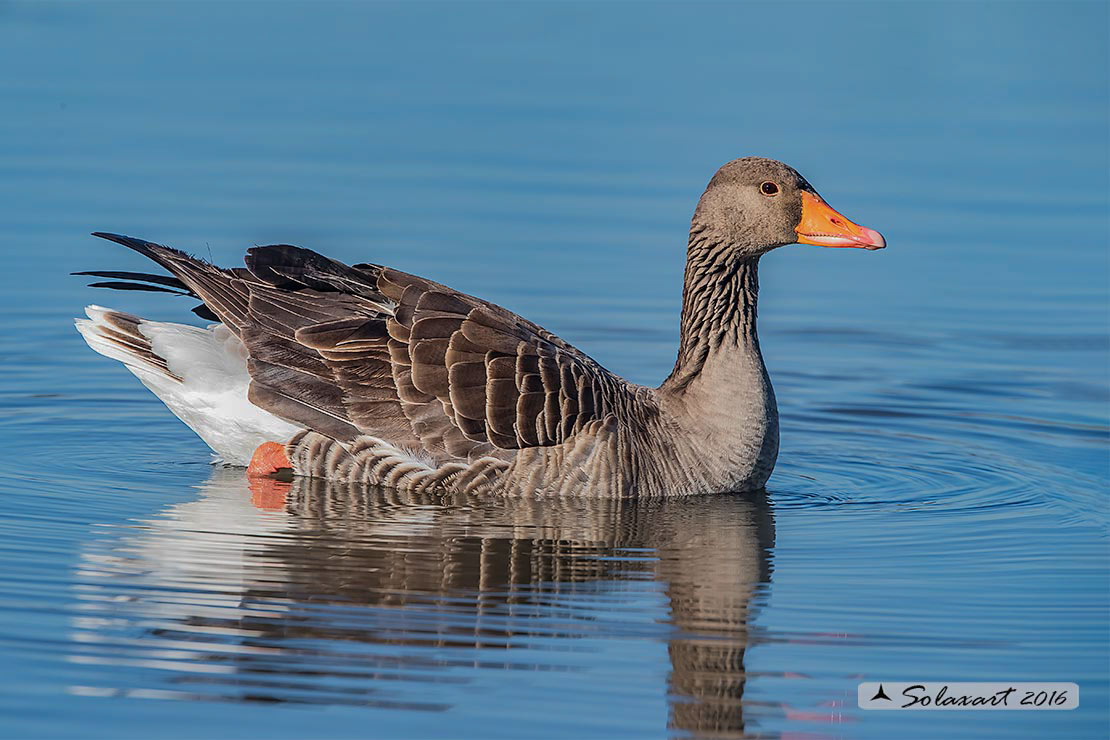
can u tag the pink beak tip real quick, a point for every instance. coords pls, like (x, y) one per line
(873, 238)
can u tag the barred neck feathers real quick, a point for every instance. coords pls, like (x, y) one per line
(718, 304)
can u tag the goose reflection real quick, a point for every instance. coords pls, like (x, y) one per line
(326, 593)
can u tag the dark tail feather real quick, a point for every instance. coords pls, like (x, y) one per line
(223, 300)
(137, 286)
(145, 277)
(176, 287)
(205, 313)
(156, 252)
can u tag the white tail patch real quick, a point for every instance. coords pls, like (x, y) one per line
(200, 374)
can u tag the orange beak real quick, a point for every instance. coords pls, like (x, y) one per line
(823, 226)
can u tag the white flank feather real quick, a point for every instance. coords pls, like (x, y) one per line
(209, 393)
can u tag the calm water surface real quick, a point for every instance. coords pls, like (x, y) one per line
(939, 511)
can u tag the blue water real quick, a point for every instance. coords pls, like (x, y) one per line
(939, 511)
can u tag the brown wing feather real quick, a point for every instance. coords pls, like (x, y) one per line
(501, 380)
(363, 349)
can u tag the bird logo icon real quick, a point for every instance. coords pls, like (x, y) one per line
(880, 694)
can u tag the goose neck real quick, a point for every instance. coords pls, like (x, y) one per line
(718, 313)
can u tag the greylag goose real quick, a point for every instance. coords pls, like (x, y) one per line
(367, 374)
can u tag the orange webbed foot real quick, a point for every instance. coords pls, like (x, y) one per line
(269, 458)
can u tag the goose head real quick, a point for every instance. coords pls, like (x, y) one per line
(753, 205)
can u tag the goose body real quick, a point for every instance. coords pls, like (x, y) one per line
(367, 374)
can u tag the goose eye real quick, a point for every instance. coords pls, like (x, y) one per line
(769, 188)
